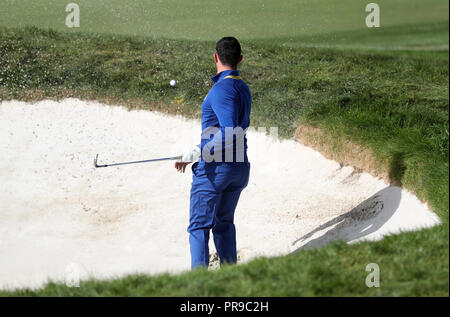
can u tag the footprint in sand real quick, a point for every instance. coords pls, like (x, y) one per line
(242, 256)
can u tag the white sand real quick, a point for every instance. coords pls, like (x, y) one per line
(59, 214)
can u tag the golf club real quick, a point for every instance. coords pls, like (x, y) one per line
(135, 162)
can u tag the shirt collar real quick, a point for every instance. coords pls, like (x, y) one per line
(223, 74)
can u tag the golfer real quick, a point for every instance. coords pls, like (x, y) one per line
(221, 168)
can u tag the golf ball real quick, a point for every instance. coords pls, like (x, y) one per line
(173, 83)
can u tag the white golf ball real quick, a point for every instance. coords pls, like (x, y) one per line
(173, 83)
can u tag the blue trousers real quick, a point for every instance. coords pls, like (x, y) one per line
(215, 192)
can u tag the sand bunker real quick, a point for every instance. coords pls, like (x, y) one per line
(58, 214)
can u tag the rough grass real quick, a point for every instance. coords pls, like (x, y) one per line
(394, 105)
(411, 264)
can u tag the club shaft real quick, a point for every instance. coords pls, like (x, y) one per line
(143, 161)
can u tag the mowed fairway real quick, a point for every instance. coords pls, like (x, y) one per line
(406, 24)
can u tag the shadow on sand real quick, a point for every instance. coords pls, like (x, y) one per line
(367, 217)
(364, 219)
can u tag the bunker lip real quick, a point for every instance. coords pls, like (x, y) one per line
(71, 220)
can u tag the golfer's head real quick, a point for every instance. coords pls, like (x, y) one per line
(228, 52)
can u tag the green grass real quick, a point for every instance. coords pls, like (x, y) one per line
(333, 23)
(431, 38)
(395, 104)
(410, 264)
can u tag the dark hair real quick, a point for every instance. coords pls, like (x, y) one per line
(229, 50)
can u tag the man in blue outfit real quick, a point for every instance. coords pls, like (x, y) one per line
(222, 170)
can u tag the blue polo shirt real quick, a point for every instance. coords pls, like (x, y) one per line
(225, 119)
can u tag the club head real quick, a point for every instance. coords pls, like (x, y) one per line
(95, 161)
(96, 165)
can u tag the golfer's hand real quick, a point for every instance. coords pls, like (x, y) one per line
(181, 166)
(190, 156)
